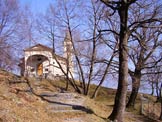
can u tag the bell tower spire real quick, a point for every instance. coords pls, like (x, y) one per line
(67, 45)
(68, 49)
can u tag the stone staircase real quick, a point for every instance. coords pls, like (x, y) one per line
(61, 102)
(64, 102)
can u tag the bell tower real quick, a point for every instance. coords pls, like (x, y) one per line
(68, 49)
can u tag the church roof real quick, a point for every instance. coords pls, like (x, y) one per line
(40, 47)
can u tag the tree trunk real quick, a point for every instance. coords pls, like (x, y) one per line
(92, 60)
(103, 78)
(161, 101)
(95, 92)
(157, 91)
(53, 42)
(135, 87)
(105, 73)
(120, 98)
(160, 118)
(71, 81)
(152, 86)
(67, 84)
(78, 61)
(98, 88)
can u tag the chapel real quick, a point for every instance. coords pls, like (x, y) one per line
(40, 61)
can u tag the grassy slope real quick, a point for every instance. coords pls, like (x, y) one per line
(25, 107)
(103, 104)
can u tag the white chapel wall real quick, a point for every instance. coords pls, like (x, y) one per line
(50, 66)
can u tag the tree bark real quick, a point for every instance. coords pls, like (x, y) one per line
(157, 91)
(152, 86)
(161, 102)
(67, 84)
(135, 87)
(120, 98)
(160, 118)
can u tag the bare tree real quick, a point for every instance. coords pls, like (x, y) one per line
(154, 76)
(53, 24)
(89, 49)
(94, 14)
(69, 17)
(85, 59)
(105, 72)
(112, 46)
(48, 26)
(9, 21)
(122, 8)
(144, 42)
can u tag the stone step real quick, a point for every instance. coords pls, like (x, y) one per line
(67, 111)
(65, 98)
(65, 95)
(68, 108)
(64, 101)
(75, 119)
(59, 107)
(56, 108)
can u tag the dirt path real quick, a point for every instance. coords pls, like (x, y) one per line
(71, 107)
(68, 107)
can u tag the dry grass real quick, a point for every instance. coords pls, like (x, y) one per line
(23, 106)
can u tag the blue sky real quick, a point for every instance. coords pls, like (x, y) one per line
(37, 6)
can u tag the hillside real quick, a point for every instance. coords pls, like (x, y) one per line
(35, 100)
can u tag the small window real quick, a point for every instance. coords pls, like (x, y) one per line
(53, 62)
(32, 70)
(46, 69)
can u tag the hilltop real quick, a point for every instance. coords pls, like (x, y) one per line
(40, 100)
